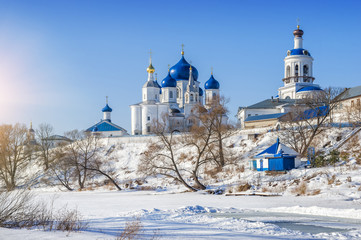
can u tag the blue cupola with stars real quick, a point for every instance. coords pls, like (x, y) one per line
(180, 71)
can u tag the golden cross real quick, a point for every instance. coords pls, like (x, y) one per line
(168, 67)
(298, 23)
(182, 49)
(150, 54)
(211, 70)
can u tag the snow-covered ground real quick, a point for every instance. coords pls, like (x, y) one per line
(328, 208)
(189, 215)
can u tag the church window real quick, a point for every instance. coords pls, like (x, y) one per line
(148, 129)
(352, 104)
(156, 96)
(191, 97)
(288, 71)
(305, 70)
(196, 98)
(186, 97)
(288, 97)
(148, 118)
(144, 96)
(177, 92)
(170, 94)
(296, 70)
(358, 102)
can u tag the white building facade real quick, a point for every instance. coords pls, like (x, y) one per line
(172, 102)
(298, 83)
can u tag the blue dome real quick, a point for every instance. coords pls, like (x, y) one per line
(211, 83)
(298, 51)
(200, 92)
(168, 81)
(180, 71)
(309, 88)
(107, 108)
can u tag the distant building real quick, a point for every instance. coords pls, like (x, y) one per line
(31, 135)
(349, 105)
(298, 84)
(105, 128)
(172, 101)
(277, 157)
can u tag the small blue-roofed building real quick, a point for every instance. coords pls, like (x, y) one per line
(105, 128)
(277, 157)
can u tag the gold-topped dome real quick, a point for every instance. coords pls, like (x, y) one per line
(150, 68)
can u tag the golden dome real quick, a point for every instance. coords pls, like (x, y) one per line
(150, 68)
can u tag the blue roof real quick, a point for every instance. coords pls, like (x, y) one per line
(200, 92)
(271, 150)
(168, 81)
(107, 108)
(105, 126)
(180, 71)
(312, 113)
(211, 83)
(299, 51)
(264, 117)
(277, 150)
(309, 88)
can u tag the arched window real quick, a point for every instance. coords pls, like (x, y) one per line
(191, 97)
(305, 70)
(177, 92)
(296, 70)
(170, 94)
(288, 71)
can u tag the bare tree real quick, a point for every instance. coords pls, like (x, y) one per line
(103, 166)
(163, 156)
(62, 167)
(353, 113)
(14, 155)
(222, 129)
(81, 152)
(43, 133)
(308, 119)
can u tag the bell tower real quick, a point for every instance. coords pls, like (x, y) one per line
(298, 68)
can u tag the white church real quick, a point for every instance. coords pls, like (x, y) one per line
(298, 83)
(173, 100)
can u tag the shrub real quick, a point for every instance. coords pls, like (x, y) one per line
(244, 187)
(301, 189)
(331, 180)
(18, 210)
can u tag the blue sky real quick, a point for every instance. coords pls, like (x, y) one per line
(59, 59)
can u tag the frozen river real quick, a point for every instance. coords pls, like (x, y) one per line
(298, 222)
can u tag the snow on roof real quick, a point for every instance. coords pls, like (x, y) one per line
(277, 150)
